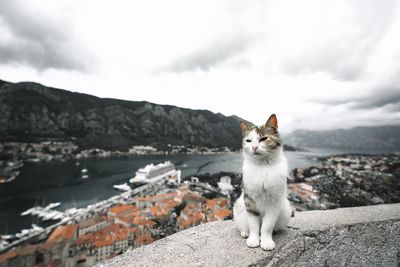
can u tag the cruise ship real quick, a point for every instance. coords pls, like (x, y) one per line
(151, 173)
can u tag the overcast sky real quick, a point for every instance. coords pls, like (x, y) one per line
(316, 64)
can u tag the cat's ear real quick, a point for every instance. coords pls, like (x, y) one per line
(244, 127)
(272, 122)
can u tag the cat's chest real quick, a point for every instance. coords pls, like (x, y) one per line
(259, 179)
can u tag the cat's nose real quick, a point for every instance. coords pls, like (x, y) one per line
(255, 148)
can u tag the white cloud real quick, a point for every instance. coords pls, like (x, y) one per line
(317, 64)
(35, 37)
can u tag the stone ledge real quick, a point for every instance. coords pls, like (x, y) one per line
(342, 237)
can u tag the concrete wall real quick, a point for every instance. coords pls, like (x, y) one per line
(342, 237)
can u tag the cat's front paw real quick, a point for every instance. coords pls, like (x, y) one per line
(253, 242)
(267, 244)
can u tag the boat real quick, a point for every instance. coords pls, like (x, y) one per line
(151, 173)
(27, 212)
(52, 205)
(85, 176)
(71, 211)
(66, 219)
(58, 216)
(37, 228)
(123, 187)
(7, 237)
(52, 215)
(23, 233)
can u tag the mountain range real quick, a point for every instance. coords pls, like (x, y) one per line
(358, 139)
(33, 112)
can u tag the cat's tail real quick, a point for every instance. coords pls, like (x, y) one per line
(240, 217)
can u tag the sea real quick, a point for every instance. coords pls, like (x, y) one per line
(61, 181)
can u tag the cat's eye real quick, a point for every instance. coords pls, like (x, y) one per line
(248, 140)
(265, 138)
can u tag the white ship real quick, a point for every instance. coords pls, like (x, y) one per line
(151, 173)
(52, 205)
(7, 237)
(122, 187)
(37, 228)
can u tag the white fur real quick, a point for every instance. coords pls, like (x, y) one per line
(264, 177)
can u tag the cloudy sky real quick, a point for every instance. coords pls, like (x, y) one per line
(317, 64)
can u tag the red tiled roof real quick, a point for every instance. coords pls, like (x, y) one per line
(169, 203)
(122, 208)
(91, 221)
(131, 213)
(63, 232)
(7, 256)
(86, 239)
(105, 241)
(144, 239)
(191, 215)
(139, 220)
(158, 211)
(219, 214)
(212, 203)
(106, 236)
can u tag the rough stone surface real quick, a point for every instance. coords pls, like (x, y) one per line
(343, 237)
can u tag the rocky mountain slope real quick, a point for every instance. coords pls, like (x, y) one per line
(367, 139)
(33, 112)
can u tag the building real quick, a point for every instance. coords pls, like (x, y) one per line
(217, 209)
(92, 225)
(219, 214)
(225, 185)
(82, 252)
(143, 239)
(143, 202)
(94, 247)
(191, 215)
(57, 244)
(25, 255)
(193, 198)
(302, 191)
(122, 210)
(7, 258)
(142, 150)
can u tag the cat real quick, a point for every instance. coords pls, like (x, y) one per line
(263, 206)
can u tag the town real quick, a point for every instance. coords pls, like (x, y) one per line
(84, 237)
(139, 216)
(346, 181)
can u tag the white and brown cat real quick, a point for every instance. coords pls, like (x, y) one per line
(263, 206)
